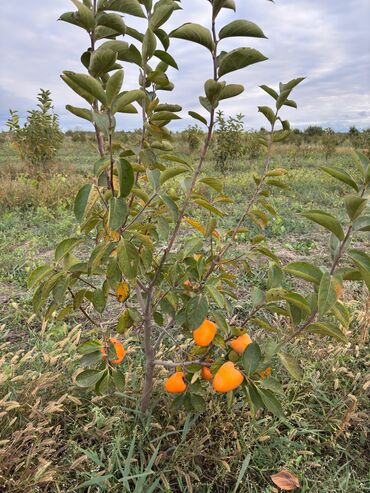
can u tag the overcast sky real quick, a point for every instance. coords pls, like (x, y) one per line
(327, 41)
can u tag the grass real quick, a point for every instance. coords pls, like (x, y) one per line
(55, 437)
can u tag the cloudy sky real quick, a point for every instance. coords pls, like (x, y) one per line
(327, 41)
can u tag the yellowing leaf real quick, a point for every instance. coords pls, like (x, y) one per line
(122, 292)
(196, 225)
(285, 480)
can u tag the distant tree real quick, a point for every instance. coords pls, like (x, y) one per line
(40, 137)
(193, 136)
(313, 131)
(229, 140)
(353, 132)
(329, 141)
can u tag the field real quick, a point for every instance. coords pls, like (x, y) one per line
(54, 437)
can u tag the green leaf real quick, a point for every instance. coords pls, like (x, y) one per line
(239, 58)
(78, 90)
(80, 112)
(196, 311)
(271, 403)
(327, 293)
(251, 358)
(99, 300)
(124, 99)
(149, 45)
(362, 261)
(104, 123)
(305, 271)
(88, 84)
(171, 205)
(206, 205)
(267, 113)
(198, 117)
(85, 201)
(168, 107)
(362, 224)
(195, 33)
(164, 116)
(327, 329)
(216, 295)
(37, 275)
(162, 12)
(118, 212)
(88, 378)
(214, 183)
(355, 206)
(364, 162)
(112, 21)
(291, 364)
(85, 15)
(172, 172)
(297, 300)
(271, 92)
(125, 177)
(102, 61)
(241, 28)
(166, 58)
(327, 221)
(198, 403)
(89, 347)
(340, 175)
(342, 314)
(125, 52)
(65, 247)
(114, 85)
(131, 7)
(230, 91)
(128, 258)
(222, 4)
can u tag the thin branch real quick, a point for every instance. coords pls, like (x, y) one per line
(97, 324)
(216, 260)
(174, 364)
(140, 212)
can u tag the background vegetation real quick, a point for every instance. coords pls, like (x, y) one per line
(55, 437)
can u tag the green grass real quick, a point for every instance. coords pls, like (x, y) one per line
(55, 437)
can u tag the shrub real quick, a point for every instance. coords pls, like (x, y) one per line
(171, 278)
(39, 139)
(329, 141)
(313, 131)
(193, 135)
(229, 141)
(252, 145)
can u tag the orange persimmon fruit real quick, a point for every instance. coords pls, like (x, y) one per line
(266, 372)
(205, 333)
(227, 378)
(175, 383)
(206, 373)
(120, 351)
(240, 344)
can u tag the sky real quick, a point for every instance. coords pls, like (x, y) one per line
(327, 41)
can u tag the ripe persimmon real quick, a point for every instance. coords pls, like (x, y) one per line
(206, 373)
(205, 333)
(266, 372)
(120, 351)
(240, 344)
(227, 378)
(175, 383)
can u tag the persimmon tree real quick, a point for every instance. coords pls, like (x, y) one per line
(141, 248)
(40, 138)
